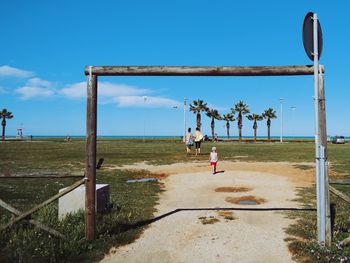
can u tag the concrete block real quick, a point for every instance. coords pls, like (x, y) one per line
(75, 200)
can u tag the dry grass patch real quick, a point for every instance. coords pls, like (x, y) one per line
(228, 215)
(249, 198)
(208, 220)
(228, 189)
(147, 174)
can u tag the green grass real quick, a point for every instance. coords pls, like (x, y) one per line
(303, 234)
(53, 155)
(133, 203)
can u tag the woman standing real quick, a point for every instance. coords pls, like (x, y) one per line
(189, 141)
(198, 137)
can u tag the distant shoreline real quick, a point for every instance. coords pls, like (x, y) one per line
(159, 137)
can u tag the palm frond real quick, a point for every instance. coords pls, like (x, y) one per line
(198, 105)
(269, 114)
(241, 108)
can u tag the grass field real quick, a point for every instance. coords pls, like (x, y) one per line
(45, 156)
(57, 155)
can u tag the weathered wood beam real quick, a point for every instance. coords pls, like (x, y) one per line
(340, 181)
(345, 242)
(339, 194)
(32, 221)
(200, 71)
(323, 143)
(48, 201)
(90, 160)
(41, 175)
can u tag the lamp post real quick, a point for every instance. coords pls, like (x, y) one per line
(281, 135)
(144, 119)
(184, 138)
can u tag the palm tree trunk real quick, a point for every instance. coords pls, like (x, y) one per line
(3, 130)
(255, 127)
(199, 120)
(212, 125)
(254, 134)
(240, 125)
(240, 133)
(268, 133)
(228, 130)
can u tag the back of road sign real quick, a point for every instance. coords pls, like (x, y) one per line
(308, 36)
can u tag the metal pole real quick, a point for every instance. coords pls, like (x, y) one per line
(281, 134)
(184, 138)
(321, 216)
(144, 119)
(90, 166)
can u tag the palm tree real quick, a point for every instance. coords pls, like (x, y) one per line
(5, 115)
(255, 117)
(269, 114)
(197, 107)
(241, 109)
(214, 115)
(228, 117)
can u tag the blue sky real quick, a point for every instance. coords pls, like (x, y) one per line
(46, 44)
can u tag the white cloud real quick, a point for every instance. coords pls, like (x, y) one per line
(36, 87)
(105, 89)
(8, 71)
(146, 101)
(123, 95)
(28, 92)
(37, 82)
(221, 109)
(77, 90)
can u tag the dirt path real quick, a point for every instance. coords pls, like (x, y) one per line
(198, 234)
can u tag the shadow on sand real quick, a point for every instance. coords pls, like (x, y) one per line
(126, 227)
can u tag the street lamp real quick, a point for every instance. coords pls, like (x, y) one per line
(281, 135)
(184, 138)
(144, 119)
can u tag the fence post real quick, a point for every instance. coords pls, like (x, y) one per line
(90, 165)
(324, 158)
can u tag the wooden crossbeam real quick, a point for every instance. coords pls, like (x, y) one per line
(32, 221)
(339, 194)
(200, 70)
(48, 201)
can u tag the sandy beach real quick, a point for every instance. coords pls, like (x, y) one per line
(201, 232)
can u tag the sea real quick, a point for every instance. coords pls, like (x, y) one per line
(164, 137)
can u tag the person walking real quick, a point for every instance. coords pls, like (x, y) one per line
(213, 159)
(198, 137)
(189, 141)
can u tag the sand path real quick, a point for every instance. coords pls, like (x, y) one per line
(249, 237)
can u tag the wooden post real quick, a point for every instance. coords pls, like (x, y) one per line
(324, 156)
(90, 166)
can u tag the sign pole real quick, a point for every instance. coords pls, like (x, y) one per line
(320, 150)
(320, 224)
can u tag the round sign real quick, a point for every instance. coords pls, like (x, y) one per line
(308, 36)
